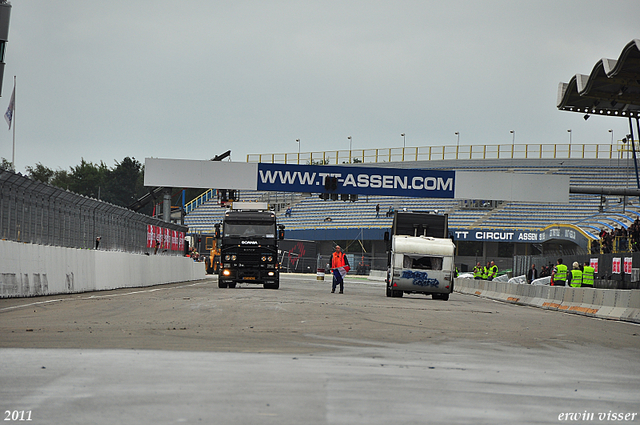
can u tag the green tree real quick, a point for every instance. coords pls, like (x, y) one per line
(123, 183)
(6, 165)
(88, 179)
(40, 173)
(61, 179)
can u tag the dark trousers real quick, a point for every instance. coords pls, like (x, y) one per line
(335, 283)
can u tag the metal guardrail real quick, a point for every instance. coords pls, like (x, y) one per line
(436, 153)
(196, 202)
(34, 212)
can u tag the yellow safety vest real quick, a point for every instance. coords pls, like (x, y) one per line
(561, 273)
(493, 271)
(576, 278)
(477, 271)
(587, 276)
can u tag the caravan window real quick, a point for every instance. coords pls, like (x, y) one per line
(422, 263)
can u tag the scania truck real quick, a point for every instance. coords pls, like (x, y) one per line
(420, 255)
(249, 246)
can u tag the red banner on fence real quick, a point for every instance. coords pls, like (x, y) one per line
(628, 261)
(616, 266)
(593, 262)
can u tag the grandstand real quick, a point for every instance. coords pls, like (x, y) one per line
(331, 221)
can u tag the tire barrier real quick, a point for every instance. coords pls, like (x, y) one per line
(615, 304)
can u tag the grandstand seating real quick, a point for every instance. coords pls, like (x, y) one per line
(311, 212)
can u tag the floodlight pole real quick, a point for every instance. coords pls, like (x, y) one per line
(633, 147)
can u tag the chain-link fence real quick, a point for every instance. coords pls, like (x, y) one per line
(34, 212)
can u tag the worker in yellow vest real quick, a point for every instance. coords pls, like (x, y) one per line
(485, 271)
(588, 273)
(559, 274)
(576, 275)
(477, 271)
(493, 271)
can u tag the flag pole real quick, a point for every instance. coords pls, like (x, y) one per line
(13, 117)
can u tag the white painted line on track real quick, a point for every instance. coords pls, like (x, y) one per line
(91, 297)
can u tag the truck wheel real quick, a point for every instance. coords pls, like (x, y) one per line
(222, 283)
(389, 292)
(272, 285)
(232, 284)
(397, 294)
(443, 297)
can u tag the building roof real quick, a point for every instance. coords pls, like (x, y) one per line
(612, 88)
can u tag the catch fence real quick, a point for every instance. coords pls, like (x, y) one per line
(38, 213)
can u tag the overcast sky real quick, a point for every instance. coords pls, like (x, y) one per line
(103, 80)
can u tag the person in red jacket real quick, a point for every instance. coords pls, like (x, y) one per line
(339, 267)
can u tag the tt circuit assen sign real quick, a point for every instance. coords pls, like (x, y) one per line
(358, 180)
(555, 232)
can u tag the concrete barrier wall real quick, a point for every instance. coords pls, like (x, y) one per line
(377, 275)
(616, 304)
(29, 270)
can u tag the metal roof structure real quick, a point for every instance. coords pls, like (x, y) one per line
(612, 88)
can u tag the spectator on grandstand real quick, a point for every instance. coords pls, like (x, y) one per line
(634, 234)
(288, 212)
(377, 210)
(606, 241)
(532, 274)
(98, 239)
(623, 241)
(390, 212)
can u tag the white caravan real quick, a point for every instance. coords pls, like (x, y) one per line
(421, 264)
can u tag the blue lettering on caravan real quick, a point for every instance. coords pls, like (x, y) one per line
(420, 278)
(414, 183)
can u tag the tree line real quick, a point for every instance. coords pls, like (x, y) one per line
(120, 185)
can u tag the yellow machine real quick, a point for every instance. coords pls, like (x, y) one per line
(212, 261)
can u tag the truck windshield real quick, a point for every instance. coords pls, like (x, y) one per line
(251, 230)
(422, 263)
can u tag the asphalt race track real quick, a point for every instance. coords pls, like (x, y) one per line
(194, 353)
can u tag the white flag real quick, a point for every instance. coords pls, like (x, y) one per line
(9, 114)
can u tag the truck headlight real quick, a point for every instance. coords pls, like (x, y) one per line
(226, 272)
(270, 258)
(264, 258)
